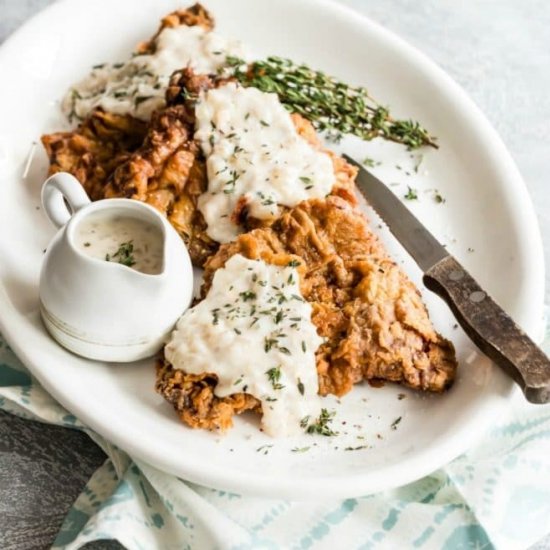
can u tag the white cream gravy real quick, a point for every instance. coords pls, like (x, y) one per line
(254, 154)
(121, 239)
(137, 86)
(254, 332)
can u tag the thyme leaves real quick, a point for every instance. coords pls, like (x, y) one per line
(411, 194)
(321, 426)
(124, 255)
(274, 375)
(330, 104)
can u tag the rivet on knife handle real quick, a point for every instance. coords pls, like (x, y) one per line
(491, 329)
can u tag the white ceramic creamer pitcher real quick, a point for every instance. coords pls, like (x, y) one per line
(103, 309)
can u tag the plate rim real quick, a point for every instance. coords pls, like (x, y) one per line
(356, 484)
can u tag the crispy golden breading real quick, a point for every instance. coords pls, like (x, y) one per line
(192, 396)
(371, 315)
(195, 15)
(169, 173)
(101, 142)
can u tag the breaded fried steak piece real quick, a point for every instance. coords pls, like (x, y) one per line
(371, 315)
(103, 140)
(195, 15)
(91, 153)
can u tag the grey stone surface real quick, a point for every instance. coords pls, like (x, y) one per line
(498, 50)
(43, 468)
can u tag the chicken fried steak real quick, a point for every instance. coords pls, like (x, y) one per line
(371, 315)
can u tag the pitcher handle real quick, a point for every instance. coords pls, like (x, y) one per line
(62, 196)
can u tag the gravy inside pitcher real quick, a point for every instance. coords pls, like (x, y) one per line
(120, 238)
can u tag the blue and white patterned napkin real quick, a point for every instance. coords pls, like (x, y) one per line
(495, 496)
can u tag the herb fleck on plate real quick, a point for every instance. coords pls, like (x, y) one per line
(321, 425)
(396, 422)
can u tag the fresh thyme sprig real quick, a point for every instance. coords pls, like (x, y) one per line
(331, 105)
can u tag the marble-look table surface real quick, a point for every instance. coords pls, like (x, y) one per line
(498, 50)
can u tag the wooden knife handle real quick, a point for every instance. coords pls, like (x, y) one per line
(491, 329)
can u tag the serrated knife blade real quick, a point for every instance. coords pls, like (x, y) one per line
(407, 229)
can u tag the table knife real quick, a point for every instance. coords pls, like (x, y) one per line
(492, 330)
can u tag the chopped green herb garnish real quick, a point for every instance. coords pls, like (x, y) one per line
(230, 184)
(411, 194)
(396, 422)
(266, 200)
(321, 425)
(247, 295)
(274, 375)
(264, 449)
(215, 318)
(301, 387)
(300, 449)
(268, 343)
(124, 255)
(371, 163)
(293, 263)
